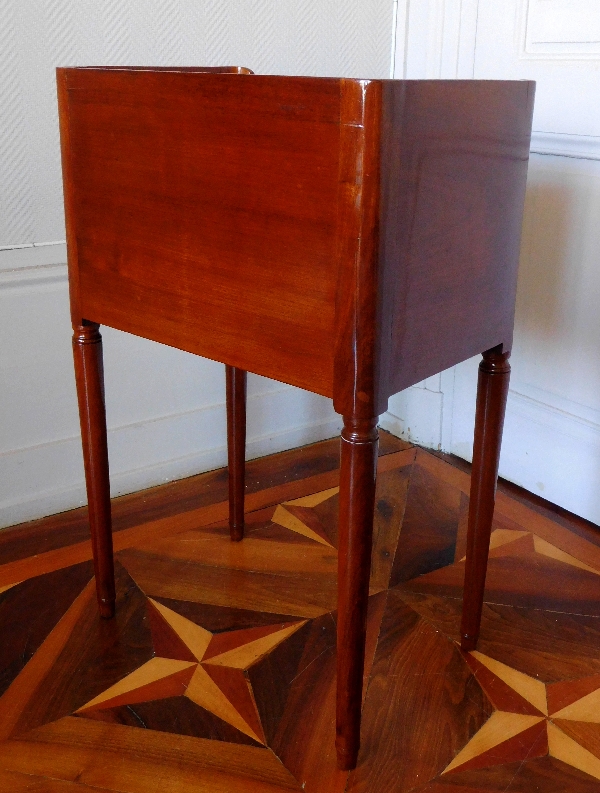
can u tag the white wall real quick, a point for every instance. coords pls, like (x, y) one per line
(552, 433)
(165, 409)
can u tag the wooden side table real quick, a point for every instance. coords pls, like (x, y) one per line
(350, 237)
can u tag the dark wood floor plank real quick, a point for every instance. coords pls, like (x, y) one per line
(432, 718)
(96, 654)
(300, 594)
(528, 581)
(13, 782)
(551, 646)
(183, 495)
(29, 611)
(131, 760)
(390, 504)
(541, 775)
(429, 528)
(22, 691)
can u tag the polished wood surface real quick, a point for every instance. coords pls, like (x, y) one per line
(227, 688)
(450, 220)
(89, 379)
(235, 387)
(492, 393)
(358, 471)
(346, 236)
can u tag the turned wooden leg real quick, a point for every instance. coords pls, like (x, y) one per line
(492, 391)
(87, 353)
(236, 447)
(357, 500)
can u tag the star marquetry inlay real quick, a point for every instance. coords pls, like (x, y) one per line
(533, 719)
(207, 668)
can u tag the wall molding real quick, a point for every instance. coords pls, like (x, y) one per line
(53, 471)
(31, 275)
(545, 436)
(32, 254)
(33, 264)
(583, 147)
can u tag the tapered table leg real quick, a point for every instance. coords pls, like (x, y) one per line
(236, 447)
(357, 500)
(492, 391)
(89, 377)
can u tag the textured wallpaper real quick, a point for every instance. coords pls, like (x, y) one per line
(312, 37)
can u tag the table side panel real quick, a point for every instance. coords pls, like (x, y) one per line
(205, 214)
(454, 164)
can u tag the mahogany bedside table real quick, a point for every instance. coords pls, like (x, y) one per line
(351, 237)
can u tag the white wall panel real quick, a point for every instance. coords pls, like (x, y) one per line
(552, 433)
(165, 409)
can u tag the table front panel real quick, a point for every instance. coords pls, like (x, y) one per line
(205, 214)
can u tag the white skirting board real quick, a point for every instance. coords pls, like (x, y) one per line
(48, 478)
(166, 409)
(551, 446)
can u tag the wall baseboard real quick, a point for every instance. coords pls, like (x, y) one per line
(48, 478)
(551, 446)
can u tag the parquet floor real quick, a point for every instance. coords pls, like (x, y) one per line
(217, 675)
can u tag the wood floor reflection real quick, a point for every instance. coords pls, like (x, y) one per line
(218, 673)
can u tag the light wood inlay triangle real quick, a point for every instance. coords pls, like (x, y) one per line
(500, 537)
(503, 536)
(497, 729)
(231, 640)
(284, 518)
(8, 586)
(193, 636)
(153, 670)
(585, 709)
(546, 549)
(244, 656)
(534, 691)
(204, 692)
(315, 498)
(566, 692)
(569, 751)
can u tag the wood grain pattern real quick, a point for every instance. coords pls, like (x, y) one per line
(178, 497)
(45, 601)
(89, 379)
(429, 528)
(404, 745)
(141, 761)
(235, 381)
(346, 236)
(492, 393)
(26, 783)
(424, 701)
(564, 748)
(562, 694)
(281, 133)
(494, 743)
